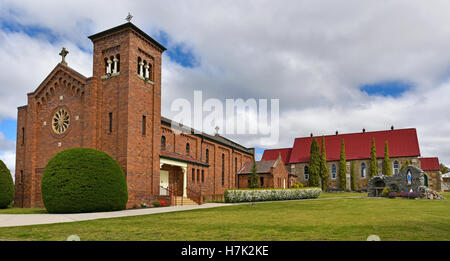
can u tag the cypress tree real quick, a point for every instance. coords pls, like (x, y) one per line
(405, 164)
(314, 164)
(386, 162)
(353, 176)
(323, 166)
(342, 167)
(373, 167)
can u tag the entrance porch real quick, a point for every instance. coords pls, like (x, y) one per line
(173, 183)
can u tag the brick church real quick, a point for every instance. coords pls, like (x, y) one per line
(118, 111)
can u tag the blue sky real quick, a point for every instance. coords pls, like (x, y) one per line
(177, 52)
(8, 127)
(393, 88)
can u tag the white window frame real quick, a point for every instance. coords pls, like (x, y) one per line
(333, 171)
(363, 170)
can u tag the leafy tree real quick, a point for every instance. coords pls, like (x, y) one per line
(323, 166)
(6, 186)
(353, 176)
(314, 164)
(386, 161)
(254, 177)
(342, 167)
(373, 166)
(444, 168)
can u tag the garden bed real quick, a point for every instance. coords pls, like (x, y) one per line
(252, 195)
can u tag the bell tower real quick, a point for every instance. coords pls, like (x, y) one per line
(126, 84)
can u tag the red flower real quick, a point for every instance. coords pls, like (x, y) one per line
(163, 203)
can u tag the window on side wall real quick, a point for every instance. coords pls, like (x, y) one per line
(363, 170)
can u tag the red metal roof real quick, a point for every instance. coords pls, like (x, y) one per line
(429, 163)
(402, 143)
(273, 154)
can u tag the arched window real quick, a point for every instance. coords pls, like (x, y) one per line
(139, 67)
(106, 66)
(198, 175)
(193, 175)
(363, 170)
(144, 125)
(306, 172)
(207, 156)
(187, 148)
(333, 171)
(163, 142)
(203, 176)
(395, 167)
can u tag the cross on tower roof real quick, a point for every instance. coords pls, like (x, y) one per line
(129, 17)
(63, 54)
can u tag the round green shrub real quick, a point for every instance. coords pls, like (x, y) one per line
(6, 186)
(82, 180)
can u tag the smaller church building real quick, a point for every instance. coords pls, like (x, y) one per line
(403, 148)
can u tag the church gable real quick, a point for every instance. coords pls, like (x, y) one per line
(61, 79)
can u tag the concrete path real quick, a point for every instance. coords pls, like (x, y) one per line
(13, 220)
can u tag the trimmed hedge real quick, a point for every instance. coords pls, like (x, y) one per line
(6, 186)
(82, 180)
(246, 195)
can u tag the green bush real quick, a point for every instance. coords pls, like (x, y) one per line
(83, 180)
(385, 192)
(297, 185)
(6, 186)
(245, 195)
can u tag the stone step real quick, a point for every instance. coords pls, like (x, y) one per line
(184, 201)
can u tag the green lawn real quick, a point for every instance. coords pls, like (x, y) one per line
(332, 219)
(342, 195)
(43, 211)
(23, 211)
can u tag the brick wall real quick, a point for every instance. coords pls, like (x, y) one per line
(361, 182)
(212, 184)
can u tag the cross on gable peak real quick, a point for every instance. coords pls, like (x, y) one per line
(129, 17)
(63, 54)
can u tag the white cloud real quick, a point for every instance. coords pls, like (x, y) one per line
(5, 144)
(9, 158)
(7, 153)
(26, 63)
(312, 55)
